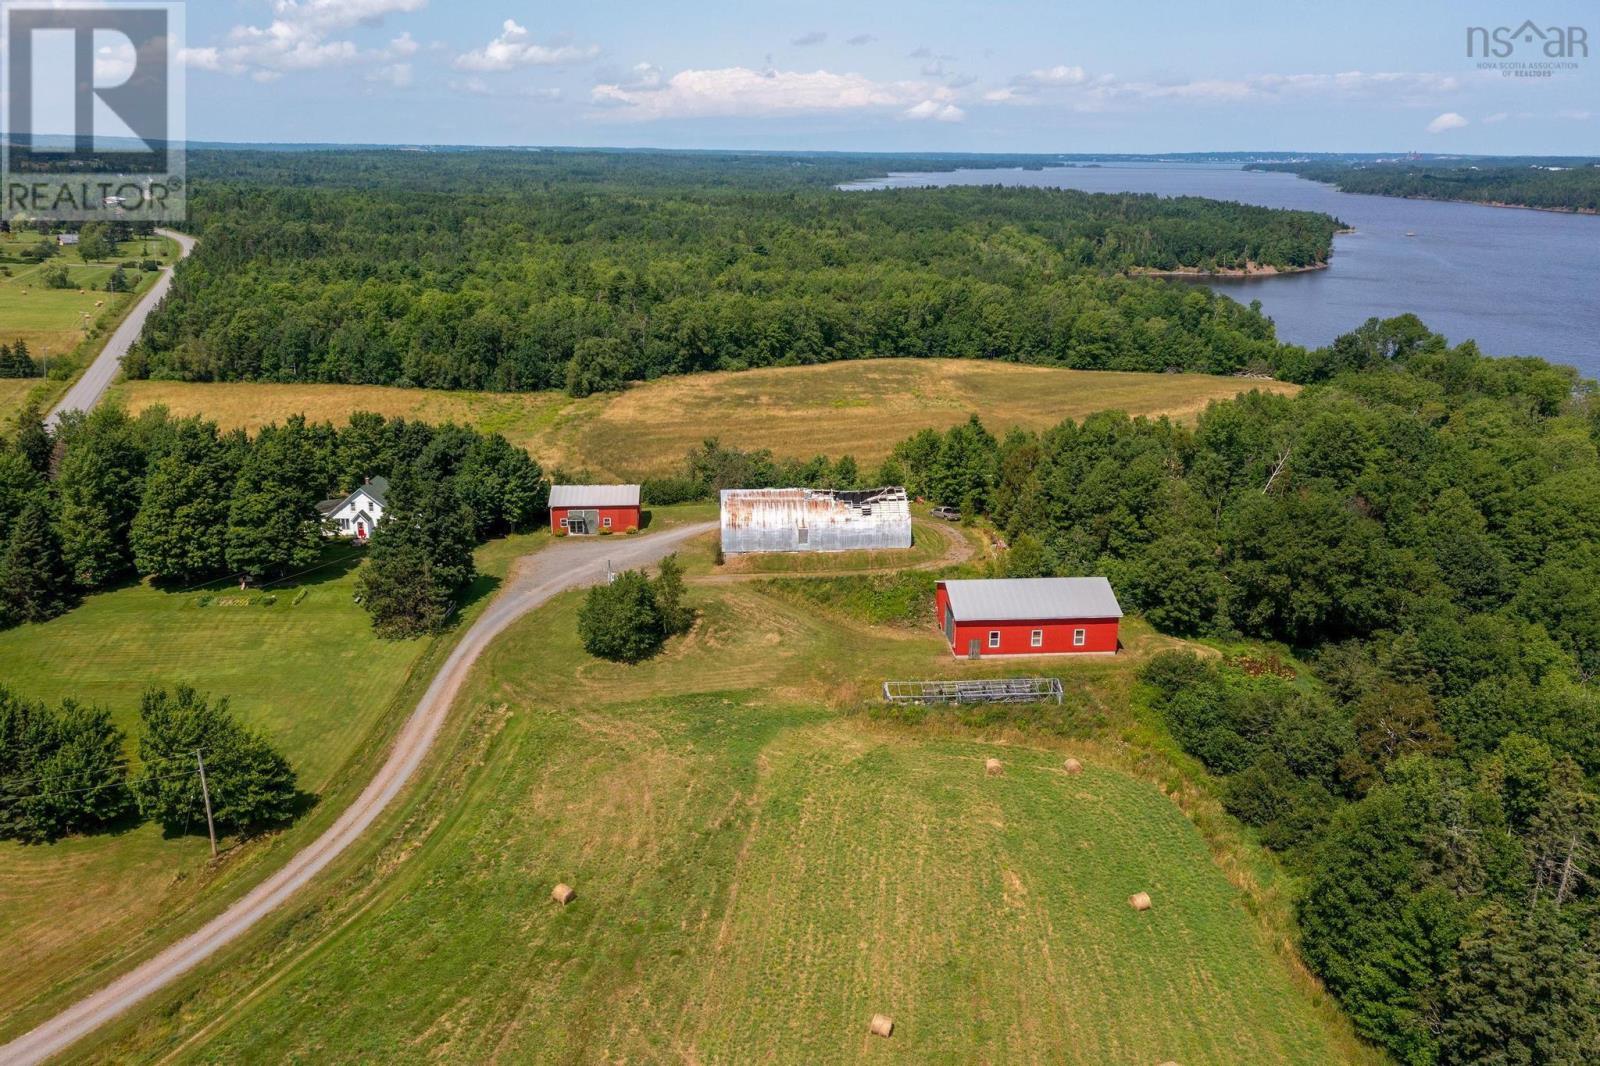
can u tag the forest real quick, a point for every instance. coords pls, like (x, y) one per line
(532, 270)
(1548, 184)
(1422, 530)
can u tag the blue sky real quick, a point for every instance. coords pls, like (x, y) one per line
(890, 75)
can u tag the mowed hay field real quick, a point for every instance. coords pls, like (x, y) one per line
(51, 320)
(860, 408)
(306, 670)
(758, 871)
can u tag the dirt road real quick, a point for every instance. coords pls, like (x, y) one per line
(567, 564)
(88, 389)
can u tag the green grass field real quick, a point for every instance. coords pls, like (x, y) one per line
(51, 321)
(861, 408)
(307, 670)
(761, 867)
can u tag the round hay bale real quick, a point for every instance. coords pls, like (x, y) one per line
(1139, 901)
(882, 1025)
(563, 894)
(993, 768)
(1072, 766)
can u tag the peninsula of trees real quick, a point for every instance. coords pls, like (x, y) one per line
(1545, 184)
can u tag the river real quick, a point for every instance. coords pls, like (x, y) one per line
(1518, 282)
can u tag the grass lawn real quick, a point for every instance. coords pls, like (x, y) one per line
(306, 669)
(861, 408)
(760, 867)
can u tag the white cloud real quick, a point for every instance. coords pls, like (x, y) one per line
(1056, 75)
(806, 40)
(397, 75)
(300, 37)
(933, 109)
(481, 87)
(515, 47)
(1447, 121)
(741, 91)
(1074, 87)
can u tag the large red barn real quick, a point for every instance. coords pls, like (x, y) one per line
(582, 509)
(1029, 616)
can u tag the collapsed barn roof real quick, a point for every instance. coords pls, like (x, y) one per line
(799, 519)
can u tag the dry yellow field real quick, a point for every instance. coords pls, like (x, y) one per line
(860, 408)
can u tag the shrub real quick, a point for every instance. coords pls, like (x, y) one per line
(664, 491)
(621, 621)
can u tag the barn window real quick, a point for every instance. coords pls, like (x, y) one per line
(606, 522)
(1037, 640)
(803, 531)
(1080, 637)
(563, 523)
(994, 638)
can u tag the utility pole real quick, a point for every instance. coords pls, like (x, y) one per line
(206, 793)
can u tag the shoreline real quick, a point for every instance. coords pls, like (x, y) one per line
(1253, 270)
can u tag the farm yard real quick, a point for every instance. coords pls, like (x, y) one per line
(761, 864)
(862, 408)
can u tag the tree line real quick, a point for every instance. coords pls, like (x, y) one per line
(1422, 528)
(1550, 184)
(109, 497)
(583, 271)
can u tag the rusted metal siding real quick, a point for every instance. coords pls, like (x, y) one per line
(818, 520)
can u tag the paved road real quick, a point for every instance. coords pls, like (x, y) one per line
(566, 564)
(88, 389)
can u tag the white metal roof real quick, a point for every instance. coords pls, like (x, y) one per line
(1027, 599)
(594, 495)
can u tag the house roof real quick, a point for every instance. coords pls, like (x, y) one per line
(377, 488)
(1029, 599)
(594, 495)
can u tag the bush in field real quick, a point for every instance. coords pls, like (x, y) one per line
(622, 621)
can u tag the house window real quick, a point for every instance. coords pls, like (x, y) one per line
(1037, 639)
(994, 638)
(1080, 637)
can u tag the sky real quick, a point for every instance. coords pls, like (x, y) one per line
(1059, 76)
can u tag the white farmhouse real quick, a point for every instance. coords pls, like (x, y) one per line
(359, 513)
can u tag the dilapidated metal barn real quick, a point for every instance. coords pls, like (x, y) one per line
(815, 520)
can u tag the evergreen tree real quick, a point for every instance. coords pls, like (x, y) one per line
(181, 530)
(1524, 990)
(273, 525)
(99, 484)
(252, 786)
(34, 584)
(421, 558)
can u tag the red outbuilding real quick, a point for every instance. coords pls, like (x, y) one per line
(583, 509)
(1029, 616)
